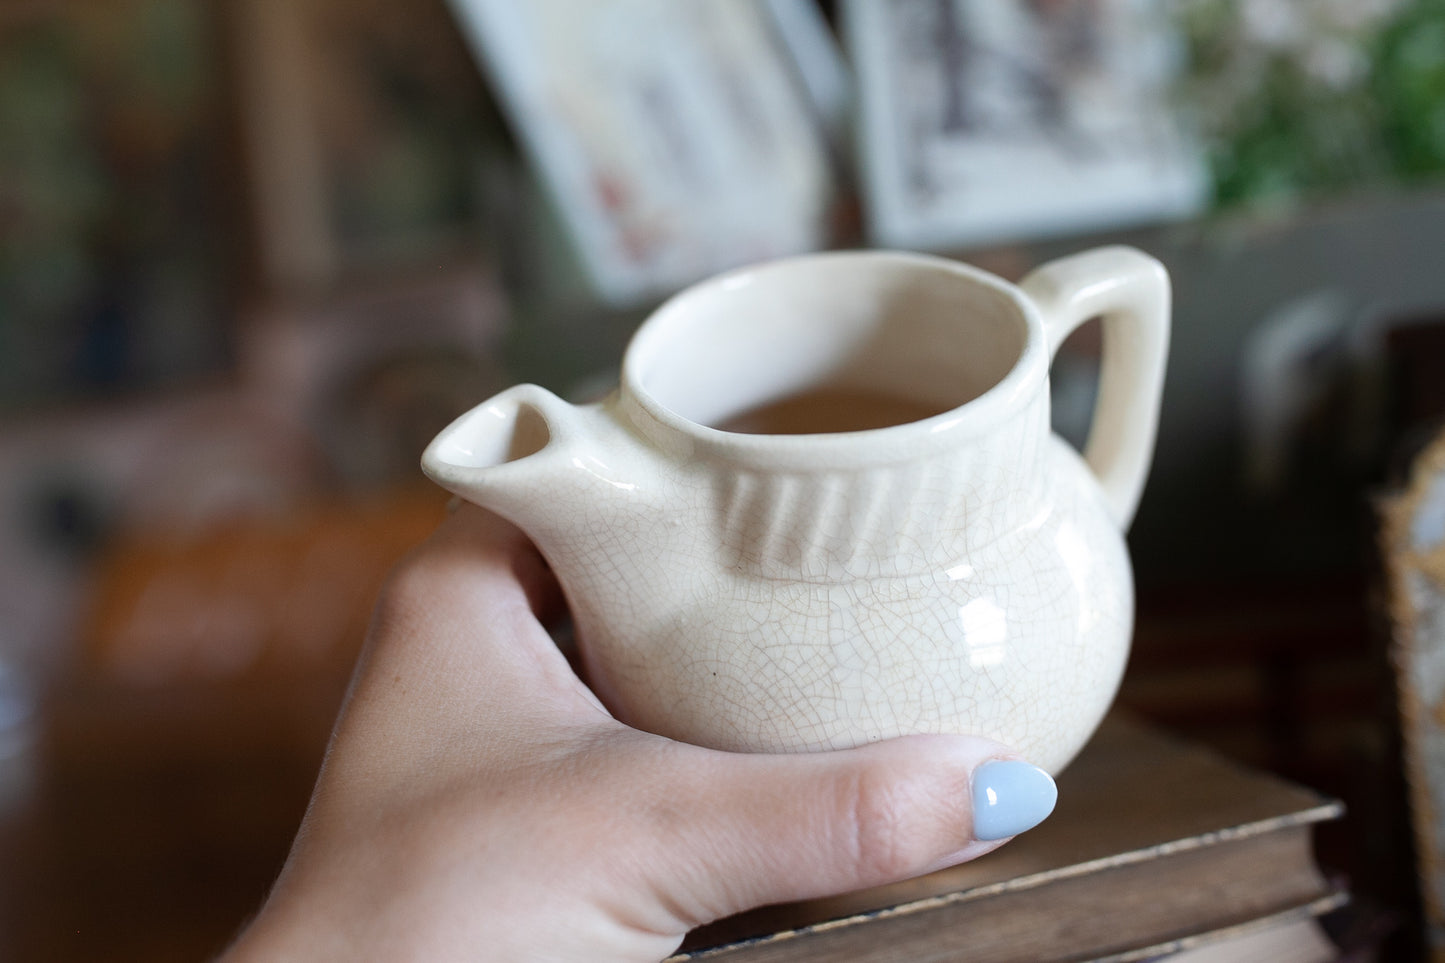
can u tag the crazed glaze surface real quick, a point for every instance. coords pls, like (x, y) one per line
(962, 573)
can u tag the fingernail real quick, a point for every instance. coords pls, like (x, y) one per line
(1010, 797)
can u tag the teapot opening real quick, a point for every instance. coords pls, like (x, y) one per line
(830, 344)
(500, 433)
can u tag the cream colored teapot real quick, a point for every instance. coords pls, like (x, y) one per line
(825, 505)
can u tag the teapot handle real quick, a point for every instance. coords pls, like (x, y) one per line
(1129, 290)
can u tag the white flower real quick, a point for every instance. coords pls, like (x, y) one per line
(1275, 24)
(1354, 16)
(1334, 62)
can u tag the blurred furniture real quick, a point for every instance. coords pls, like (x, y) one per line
(366, 138)
(1290, 675)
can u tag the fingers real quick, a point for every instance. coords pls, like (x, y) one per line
(780, 828)
(476, 590)
(471, 537)
(707, 833)
(457, 621)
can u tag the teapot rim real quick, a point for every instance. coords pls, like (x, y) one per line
(979, 415)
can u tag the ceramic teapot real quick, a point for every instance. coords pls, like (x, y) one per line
(825, 506)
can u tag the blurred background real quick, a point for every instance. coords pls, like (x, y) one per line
(255, 253)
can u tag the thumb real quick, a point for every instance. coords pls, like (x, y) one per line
(781, 828)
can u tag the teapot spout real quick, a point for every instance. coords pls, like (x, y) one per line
(529, 456)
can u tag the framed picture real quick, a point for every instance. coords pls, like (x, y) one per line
(984, 122)
(675, 138)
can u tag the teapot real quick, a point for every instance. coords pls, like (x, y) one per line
(825, 505)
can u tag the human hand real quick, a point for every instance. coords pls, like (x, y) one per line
(478, 803)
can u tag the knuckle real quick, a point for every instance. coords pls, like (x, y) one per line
(413, 586)
(408, 582)
(904, 815)
(884, 836)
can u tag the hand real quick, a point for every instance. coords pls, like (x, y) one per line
(478, 803)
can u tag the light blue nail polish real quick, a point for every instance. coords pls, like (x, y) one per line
(1009, 797)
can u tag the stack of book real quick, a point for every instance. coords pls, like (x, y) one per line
(1158, 849)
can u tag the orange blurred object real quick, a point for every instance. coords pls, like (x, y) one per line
(176, 757)
(262, 598)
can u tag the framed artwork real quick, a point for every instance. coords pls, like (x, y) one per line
(984, 122)
(675, 138)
